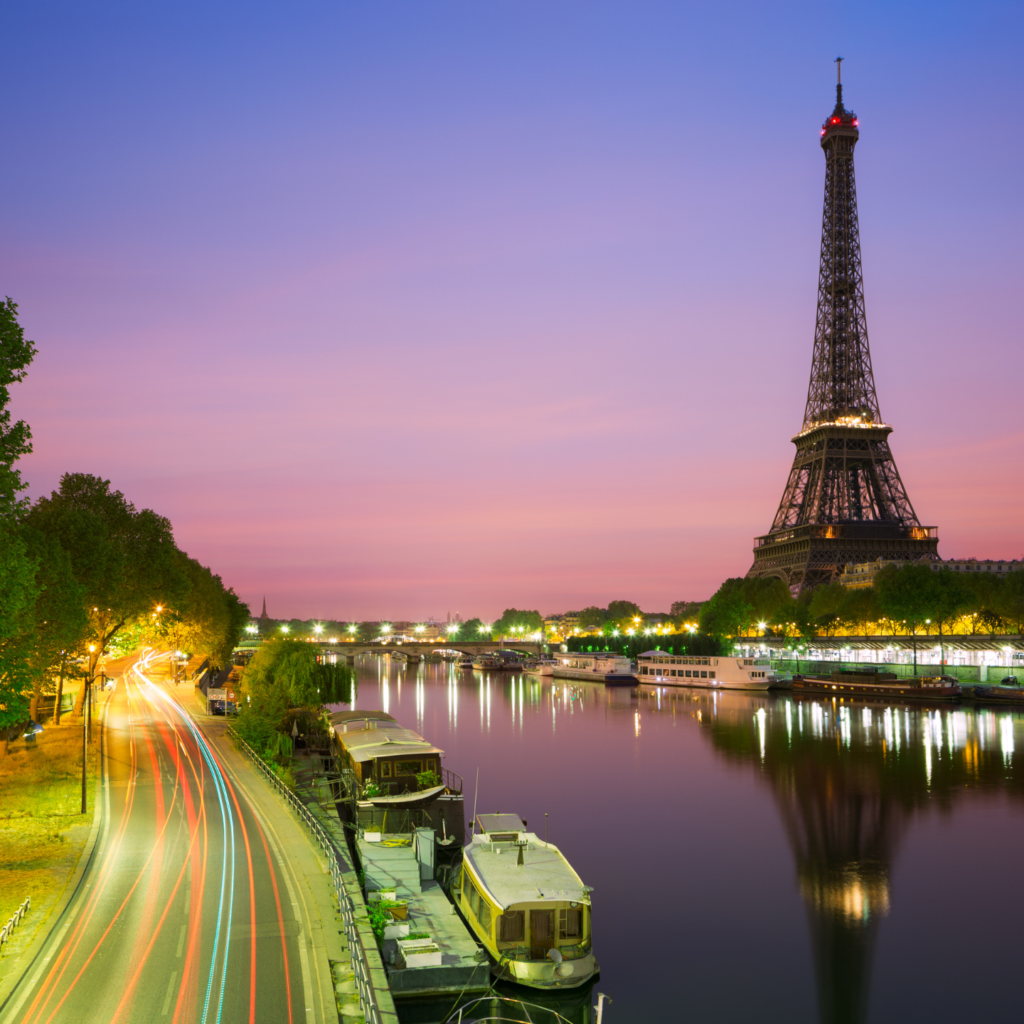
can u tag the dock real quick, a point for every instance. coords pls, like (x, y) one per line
(405, 862)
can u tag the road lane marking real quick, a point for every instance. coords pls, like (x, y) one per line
(170, 992)
(181, 940)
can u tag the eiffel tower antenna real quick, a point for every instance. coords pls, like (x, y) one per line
(844, 500)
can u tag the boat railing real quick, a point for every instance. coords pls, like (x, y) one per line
(452, 781)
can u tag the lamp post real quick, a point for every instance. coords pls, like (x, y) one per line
(86, 729)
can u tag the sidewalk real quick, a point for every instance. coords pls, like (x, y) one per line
(332, 985)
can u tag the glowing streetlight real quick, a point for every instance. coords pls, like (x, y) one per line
(420, 629)
(251, 628)
(318, 629)
(352, 628)
(284, 629)
(453, 629)
(485, 629)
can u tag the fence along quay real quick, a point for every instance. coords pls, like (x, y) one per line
(375, 999)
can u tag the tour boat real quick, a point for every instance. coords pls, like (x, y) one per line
(664, 669)
(526, 905)
(602, 667)
(866, 683)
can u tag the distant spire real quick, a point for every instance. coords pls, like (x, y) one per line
(840, 109)
(264, 615)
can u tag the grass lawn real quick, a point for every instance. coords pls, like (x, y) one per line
(42, 829)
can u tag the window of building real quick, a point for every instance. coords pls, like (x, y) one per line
(407, 767)
(385, 769)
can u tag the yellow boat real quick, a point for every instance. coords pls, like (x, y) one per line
(526, 905)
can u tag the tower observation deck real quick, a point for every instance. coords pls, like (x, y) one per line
(844, 500)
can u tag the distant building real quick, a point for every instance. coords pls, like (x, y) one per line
(857, 576)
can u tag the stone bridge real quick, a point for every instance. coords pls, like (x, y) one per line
(415, 650)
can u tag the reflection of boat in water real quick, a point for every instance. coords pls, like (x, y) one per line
(866, 682)
(526, 905)
(466, 661)
(539, 666)
(602, 667)
(712, 673)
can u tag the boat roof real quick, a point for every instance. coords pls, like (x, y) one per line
(393, 740)
(545, 874)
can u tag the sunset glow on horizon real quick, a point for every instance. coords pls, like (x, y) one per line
(427, 309)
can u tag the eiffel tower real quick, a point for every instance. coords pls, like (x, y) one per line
(844, 500)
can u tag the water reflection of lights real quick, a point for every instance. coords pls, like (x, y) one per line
(760, 716)
(1006, 738)
(636, 722)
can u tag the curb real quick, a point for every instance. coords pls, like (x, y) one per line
(12, 979)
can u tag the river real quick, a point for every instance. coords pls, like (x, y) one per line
(754, 858)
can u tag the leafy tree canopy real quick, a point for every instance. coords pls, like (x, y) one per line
(530, 620)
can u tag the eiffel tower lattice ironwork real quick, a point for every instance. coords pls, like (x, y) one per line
(844, 500)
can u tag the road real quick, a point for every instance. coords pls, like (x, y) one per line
(188, 912)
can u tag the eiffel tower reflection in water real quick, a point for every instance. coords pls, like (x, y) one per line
(848, 780)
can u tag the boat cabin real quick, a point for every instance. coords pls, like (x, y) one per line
(380, 750)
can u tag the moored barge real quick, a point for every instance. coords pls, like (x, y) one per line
(526, 905)
(865, 683)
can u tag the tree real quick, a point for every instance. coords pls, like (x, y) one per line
(951, 598)
(471, 629)
(827, 604)
(686, 611)
(284, 674)
(593, 616)
(529, 621)
(125, 560)
(15, 438)
(60, 622)
(620, 610)
(908, 594)
(728, 611)
(20, 591)
(1011, 600)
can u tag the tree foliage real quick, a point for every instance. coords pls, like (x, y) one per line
(530, 621)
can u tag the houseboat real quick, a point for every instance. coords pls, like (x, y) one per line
(598, 668)
(664, 669)
(397, 773)
(526, 905)
(999, 694)
(866, 682)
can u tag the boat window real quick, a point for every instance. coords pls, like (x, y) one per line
(407, 767)
(511, 926)
(703, 675)
(671, 671)
(711, 675)
(385, 769)
(474, 899)
(570, 924)
(484, 915)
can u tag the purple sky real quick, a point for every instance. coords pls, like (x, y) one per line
(400, 309)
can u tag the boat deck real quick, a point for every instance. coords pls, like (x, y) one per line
(463, 965)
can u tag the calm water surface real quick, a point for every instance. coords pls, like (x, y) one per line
(755, 858)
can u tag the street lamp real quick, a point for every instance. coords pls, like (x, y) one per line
(318, 629)
(284, 629)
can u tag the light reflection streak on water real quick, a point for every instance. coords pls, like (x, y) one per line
(522, 686)
(817, 719)
(891, 734)
(844, 725)
(453, 702)
(488, 703)
(759, 716)
(636, 723)
(927, 721)
(420, 702)
(1006, 738)
(789, 722)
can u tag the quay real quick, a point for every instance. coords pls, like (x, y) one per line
(454, 962)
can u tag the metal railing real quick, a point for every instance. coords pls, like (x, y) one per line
(8, 929)
(364, 984)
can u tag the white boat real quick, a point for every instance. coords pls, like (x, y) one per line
(602, 667)
(540, 667)
(664, 669)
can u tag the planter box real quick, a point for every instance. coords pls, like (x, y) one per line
(419, 953)
(371, 837)
(396, 931)
(376, 895)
